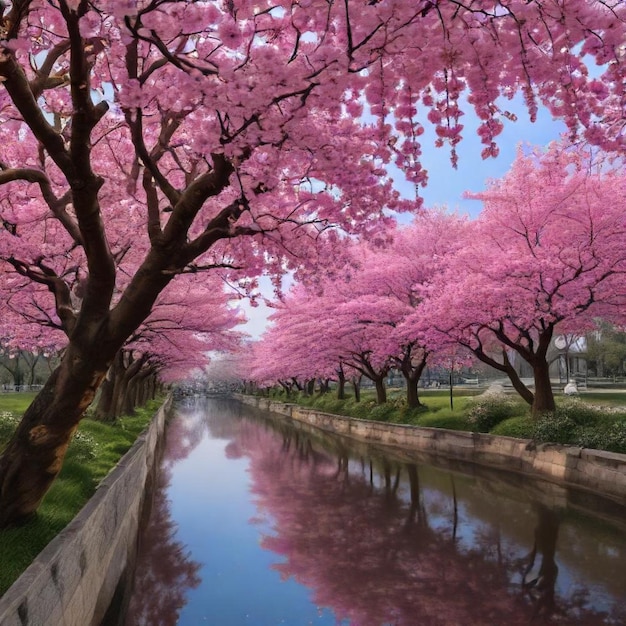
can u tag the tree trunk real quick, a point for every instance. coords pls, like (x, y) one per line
(341, 385)
(154, 385)
(124, 400)
(104, 407)
(31, 370)
(145, 385)
(356, 384)
(412, 394)
(136, 393)
(412, 373)
(381, 392)
(544, 397)
(116, 372)
(526, 394)
(286, 387)
(34, 455)
(135, 375)
(129, 401)
(507, 367)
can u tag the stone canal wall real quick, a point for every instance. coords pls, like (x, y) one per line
(601, 472)
(74, 579)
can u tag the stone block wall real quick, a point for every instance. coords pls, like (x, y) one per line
(73, 580)
(595, 470)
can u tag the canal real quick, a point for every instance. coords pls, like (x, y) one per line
(261, 522)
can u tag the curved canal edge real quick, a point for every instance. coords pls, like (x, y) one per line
(74, 579)
(604, 473)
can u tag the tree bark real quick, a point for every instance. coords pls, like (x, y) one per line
(133, 377)
(411, 372)
(31, 369)
(544, 396)
(34, 455)
(104, 411)
(412, 394)
(381, 391)
(341, 384)
(286, 387)
(507, 367)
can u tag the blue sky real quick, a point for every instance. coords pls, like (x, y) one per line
(447, 185)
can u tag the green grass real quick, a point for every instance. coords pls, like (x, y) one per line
(611, 398)
(15, 402)
(520, 427)
(94, 451)
(435, 410)
(582, 421)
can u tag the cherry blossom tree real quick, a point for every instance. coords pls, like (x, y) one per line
(546, 255)
(295, 348)
(188, 322)
(143, 140)
(398, 276)
(356, 318)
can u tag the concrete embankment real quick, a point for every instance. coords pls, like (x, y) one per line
(74, 579)
(601, 472)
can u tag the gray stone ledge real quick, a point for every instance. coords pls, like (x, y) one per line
(593, 470)
(72, 581)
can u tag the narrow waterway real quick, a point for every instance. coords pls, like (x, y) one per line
(259, 522)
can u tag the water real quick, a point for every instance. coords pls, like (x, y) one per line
(257, 522)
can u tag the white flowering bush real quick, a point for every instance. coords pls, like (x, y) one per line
(83, 447)
(489, 411)
(8, 424)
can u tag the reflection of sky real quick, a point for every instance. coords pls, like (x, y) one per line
(215, 490)
(211, 503)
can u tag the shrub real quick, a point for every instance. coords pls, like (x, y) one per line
(521, 427)
(407, 415)
(452, 422)
(361, 409)
(83, 447)
(556, 427)
(8, 424)
(577, 423)
(580, 413)
(382, 412)
(611, 437)
(490, 411)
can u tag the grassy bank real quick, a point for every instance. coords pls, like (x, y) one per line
(94, 451)
(595, 420)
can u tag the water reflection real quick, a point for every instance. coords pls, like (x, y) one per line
(381, 541)
(165, 569)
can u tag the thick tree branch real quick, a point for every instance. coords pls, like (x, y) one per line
(506, 367)
(220, 227)
(152, 203)
(17, 86)
(205, 186)
(56, 205)
(43, 80)
(56, 285)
